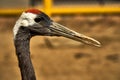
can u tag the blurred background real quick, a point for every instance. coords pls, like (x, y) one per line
(58, 58)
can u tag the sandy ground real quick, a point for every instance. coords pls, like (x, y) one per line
(63, 59)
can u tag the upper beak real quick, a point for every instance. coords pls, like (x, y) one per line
(60, 30)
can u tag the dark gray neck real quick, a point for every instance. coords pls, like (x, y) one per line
(22, 42)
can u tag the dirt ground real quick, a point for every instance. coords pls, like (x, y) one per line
(58, 58)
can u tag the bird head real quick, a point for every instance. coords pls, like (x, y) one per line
(38, 23)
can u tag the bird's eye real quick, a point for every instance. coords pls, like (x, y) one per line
(38, 19)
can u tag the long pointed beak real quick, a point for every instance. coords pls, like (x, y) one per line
(60, 30)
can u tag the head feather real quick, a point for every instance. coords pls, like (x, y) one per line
(34, 11)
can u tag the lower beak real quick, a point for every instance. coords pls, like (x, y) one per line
(60, 30)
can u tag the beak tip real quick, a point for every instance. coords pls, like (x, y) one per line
(98, 44)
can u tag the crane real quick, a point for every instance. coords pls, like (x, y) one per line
(34, 22)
